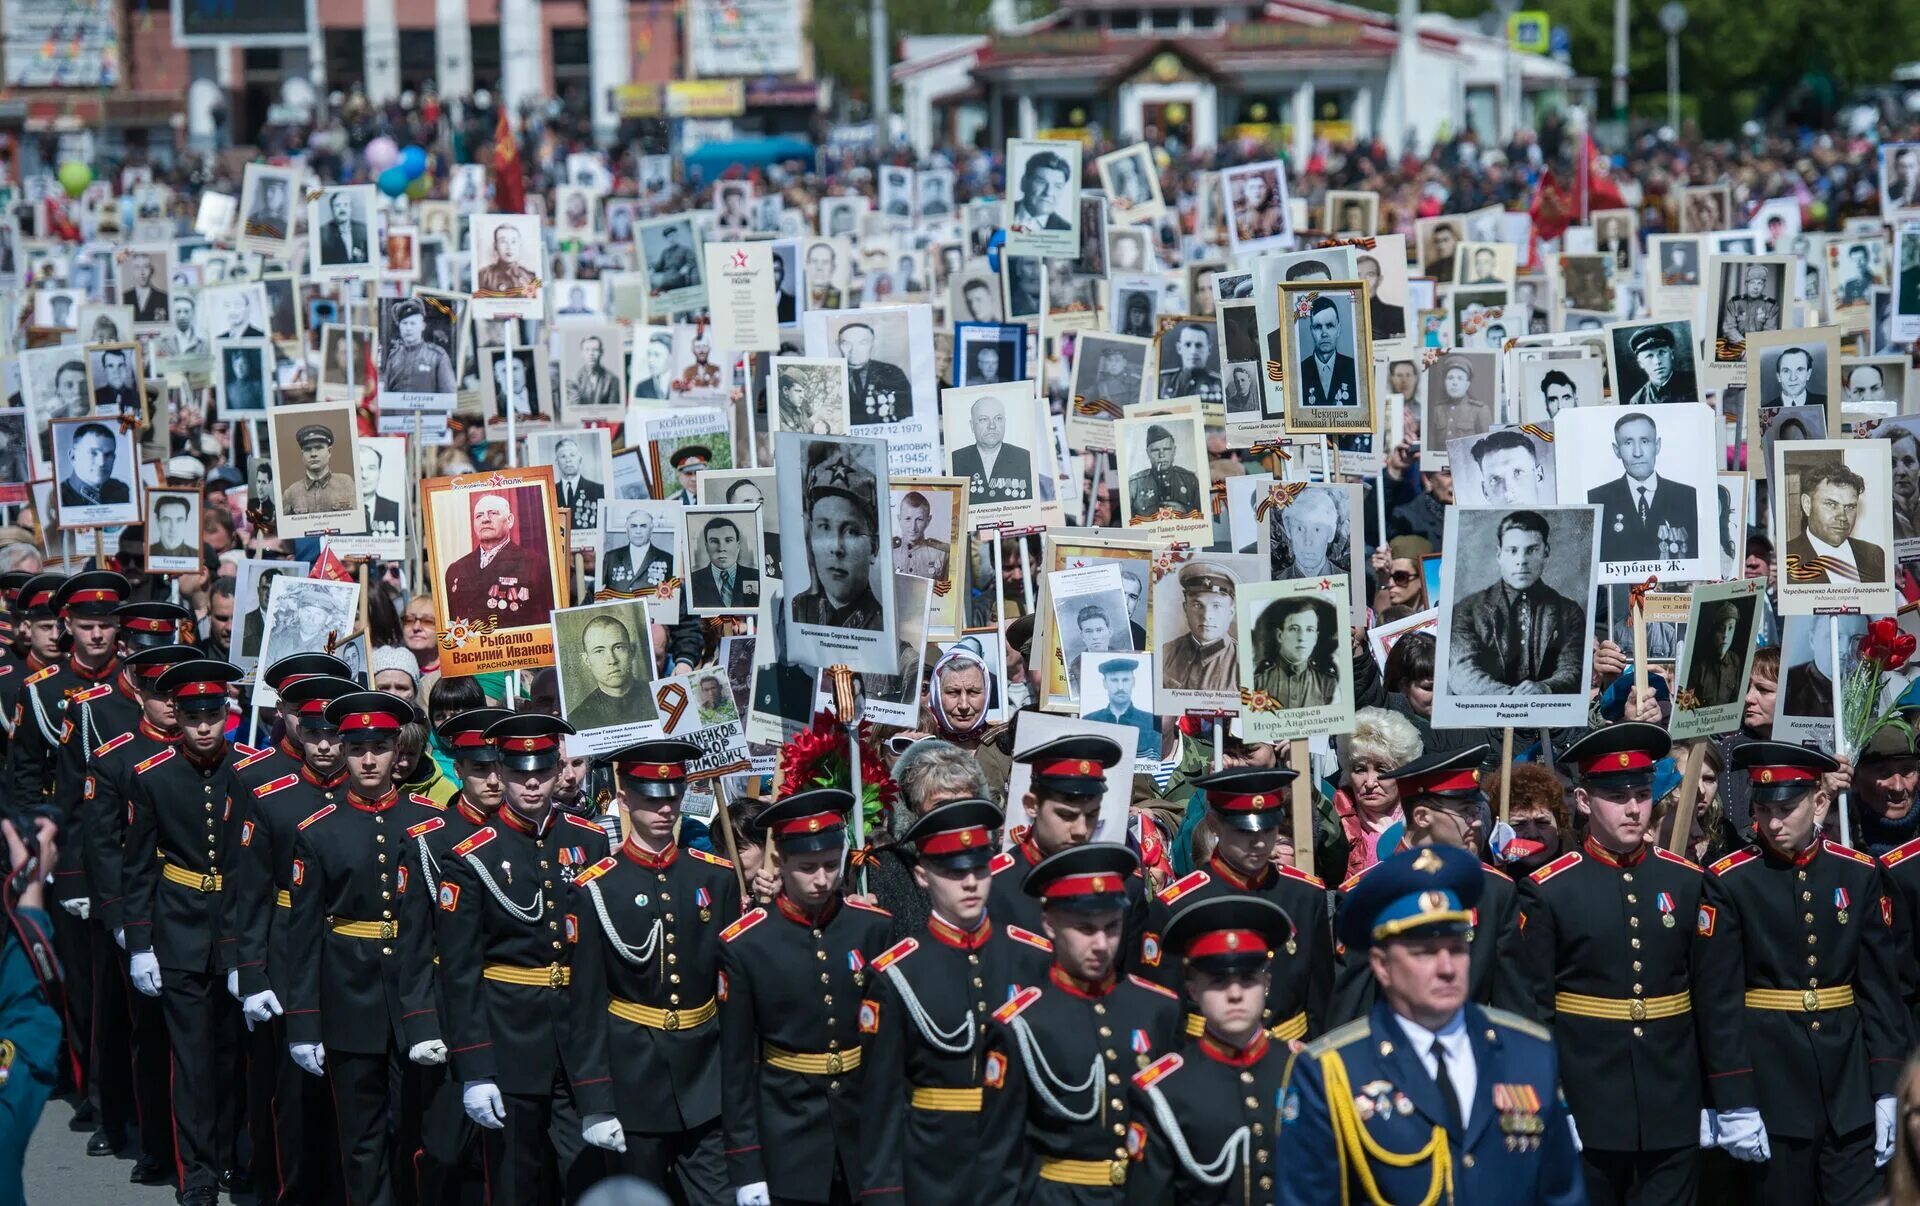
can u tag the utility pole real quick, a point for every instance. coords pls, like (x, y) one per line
(1673, 19)
(1620, 61)
(882, 85)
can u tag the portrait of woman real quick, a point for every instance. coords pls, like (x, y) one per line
(1295, 642)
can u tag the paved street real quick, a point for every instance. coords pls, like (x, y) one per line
(59, 1171)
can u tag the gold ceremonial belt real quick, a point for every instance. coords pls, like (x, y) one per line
(1293, 1028)
(381, 930)
(950, 1101)
(825, 1063)
(191, 879)
(663, 1019)
(1083, 1172)
(1811, 1000)
(553, 975)
(1622, 1009)
(283, 898)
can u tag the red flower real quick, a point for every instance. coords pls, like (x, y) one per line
(1886, 644)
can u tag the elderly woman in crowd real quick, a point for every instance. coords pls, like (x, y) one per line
(1367, 803)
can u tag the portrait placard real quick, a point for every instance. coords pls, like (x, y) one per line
(419, 344)
(838, 606)
(893, 377)
(173, 532)
(1835, 526)
(1717, 658)
(340, 226)
(385, 496)
(1651, 363)
(989, 353)
(592, 372)
(1310, 531)
(1117, 688)
(1196, 638)
(1460, 396)
(267, 198)
(1135, 561)
(809, 395)
(253, 579)
(1658, 490)
(929, 534)
(97, 465)
(1258, 216)
(1324, 345)
(1803, 701)
(723, 559)
(314, 469)
(498, 566)
(506, 268)
(1163, 467)
(1296, 667)
(309, 615)
(1110, 374)
(603, 663)
(639, 558)
(699, 707)
(1043, 190)
(1132, 183)
(1746, 295)
(992, 434)
(582, 463)
(1507, 467)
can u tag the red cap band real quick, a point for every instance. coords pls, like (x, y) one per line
(528, 745)
(151, 669)
(1780, 774)
(470, 739)
(809, 824)
(1260, 802)
(94, 596)
(956, 841)
(1621, 760)
(1068, 886)
(652, 770)
(39, 598)
(314, 707)
(364, 722)
(1072, 768)
(140, 624)
(1228, 942)
(191, 690)
(1447, 780)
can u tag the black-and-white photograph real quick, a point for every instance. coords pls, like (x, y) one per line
(1511, 467)
(114, 380)
(637, 553)
(315, 469)
(1803, 703)
(786, 281)
(809, 395)
(96, 463)
(1613, 237)
(515, 377)
(267, 197)
(838, 592)
(989, 353)
(1129, 252)
(573, 208)
(1325, 345)
(733, 207)
(383, 481)
(58, 308)
(1296, 659)
(1090, 615)
(582, 466)
(1024, 278)
(1673, 263)
(1313, 535)
(747, 488)
(252, 585)
(1874, 379)
(1109, 378)
(990, 440)
(828, 271)
(592, 372)
(1504, 567)
(1584, 282)
(173, 532)
(141, 281)
(307, 615)
(1790, 424)
(1043, 191)
(1657, 487)
(1799, 367)
(1383, 269)
(576, 301)
(1350, 212)
(1258, 218)
(652, 370)
(1483, 264)
(1652, 362)
(1163, 470)
(1716, 658)
(973, 295)
(418, 370)
(876, 347)
(1196, 635)
(896, 192)
(1132, 184)
(840, 216)
(603, 662)
(233, 311)
(16, 456)
(1460, 399)
(1133, 305)
(1437, 242)
(1548, 385)
(506, 267)
(1188, 352)
(1835, 526)
(656, 176)
(723, 559)
(340, 233)
(927, 514)
(1749, 297)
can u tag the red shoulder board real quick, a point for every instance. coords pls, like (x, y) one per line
(1736, 859)
(1001, 862)
(595, 872)
(146, 764)
(316, 816)
(1900, 854)
(42, 674)
(1185, 884)
(474, 842)
(425, 827)
(895, 953)
(107, 747)
(715, 859)
(1030, 938)
(1159, 1069)
(1355, 878)
(244, 750)
(267, 789)
(1015, 1003)
(1858, 856)
(1152, 987)
(1670, 856)
(1569, 859)
(747, 921)
(427, 801)
(252, 757)
(92, 693)
(1491, 869)
(871, 908)
(1303, 877)
(582, 822)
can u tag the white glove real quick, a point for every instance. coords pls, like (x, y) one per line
(1743, 1136)
(311, 1058)
(1707, 1140)
(260, 1007)
(233, 986)
(120, 938)
(484, 1105)
(1883, 1127)
(1575, 1132)
(145, 970)
(604, 1130)
(753, 1195)
(433, 1051)
(79, 906)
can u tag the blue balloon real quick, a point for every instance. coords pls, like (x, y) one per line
(393, 182)
(413, 161)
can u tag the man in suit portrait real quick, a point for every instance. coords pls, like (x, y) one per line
(877, 392)
(1043, 186)
(343, 240)
(117, 394)
(237, 315)
(821, 293)
(499, 577)
(1327, 376)
(581, 495)
(723, 581)
(1792, 380)
(1386, 320)
(639, 566)
(253, 626)
(1117, 675)
(619, 695)
(1442, 241)
(149, 304)
(1903, 177)
(594, 385)
(995, 470)
(1654, 354)
(656, 381)
(89, 481)
(173, 534)
(786, 305)
(383, 513)
(1830, 502)
(1644, 517)
(1510, 472)
(1518, 636)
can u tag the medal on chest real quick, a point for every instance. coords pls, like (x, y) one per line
(1665, 901)
(1840, 902)
(704, 899)
(859, 967)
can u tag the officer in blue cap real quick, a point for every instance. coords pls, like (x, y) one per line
(1429, 1097)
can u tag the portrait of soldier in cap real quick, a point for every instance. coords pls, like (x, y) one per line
(318, 490)
(414, 364)
(840, 505)
(1655, 374)
(1163, 484)
(1459, 398)
(1205, 656)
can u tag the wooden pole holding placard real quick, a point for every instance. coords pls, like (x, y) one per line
(1302, 806)
(1637, 608)
(1219, 745)
(1506, 772)
(726, 829)
(1689, 788)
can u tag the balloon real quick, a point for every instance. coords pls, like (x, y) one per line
(414, 160)
(417, 188)
(393, 182)
(75, 177)
(381, 154)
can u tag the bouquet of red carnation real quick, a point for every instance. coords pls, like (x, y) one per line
(818, 758)
(1883, 648)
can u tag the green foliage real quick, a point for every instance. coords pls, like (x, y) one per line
(839, 32)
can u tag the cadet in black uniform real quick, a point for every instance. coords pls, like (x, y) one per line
(361, 989)
(505, 950)
(1208, 1108)
(1805, 928)
(182, 844)
(790, 1070)
(645, 1047)
(284, 754)
(1609, 941)
(1058, 1128)
(1247, 808)
(925, 1022)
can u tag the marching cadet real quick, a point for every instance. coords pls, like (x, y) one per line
(33, 646)
(1063, 807)
(505, 949)
(1247, 808)
(309, 779)
(360, 988)
(1805, 927)
(1402, 1104)
(182, 844)
(146, 625)
(790, 1059)
(1441, 799)
(925, 1021)
(645, 1049)
(16, 661)
(279, 757)
(1208, 1107)
(1052, 1134)
(1609, 940)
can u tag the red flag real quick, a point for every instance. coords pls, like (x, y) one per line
(330, 568)
(1552, 209)
(509, 180)
(365, 412)
(1602, 192)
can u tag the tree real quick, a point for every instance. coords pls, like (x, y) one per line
(839, 32)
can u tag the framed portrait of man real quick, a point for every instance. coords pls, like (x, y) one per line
(499, 568)
(1530, 570)
(929, 541)
(992, 435)
(838, 604)
(384, 497)
(1295, 659)
(1657, 487)
(1437, 242)
(1311, 532)
(1651, 363)
(1326, 349)
(1117, 688)
(1110, 377)
(1547, 384)
(639, 555)
(1834, 523)
(1351, 212)
(1717, 658)
(989, 353)
(582, 460)
(115, 380)
(96, 465)
(1704, 207)
(506, 267)
(1804, 696)
(515, 377)
(723, 559)
(603, 661)
(340, 229)
(1196, 636)
(1258, 215)
(267, 198)
(418, 346)
(1042, 206)
(1187, 349)
(315, 469)
(1748, 295)
(1162, 467)
(173, 532)
(1507, 467)
(1132, 184)
(1089, 611)
(592, 372)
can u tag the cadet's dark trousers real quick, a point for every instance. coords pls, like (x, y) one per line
(73, 943)
(691, 1165)
(363, 1110)
(1667, 1177)
(128, 1072)
(541, 1126)
(1833, 1170)
(448, 1141)
(296, 1162)
(206, 1116)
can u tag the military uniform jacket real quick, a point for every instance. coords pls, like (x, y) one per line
(48, 755)
(262, 899)
(1621, 932)
(650, 937)
(1176, 490)
(506, 903)
(1794, 927)
(924, 1028)
(14, 672)
(790, 984)
(1494, 976)
(1045, 1041)
(1903, 880)
(1517, 1146)
(181, 818)
(350, 868)
(1008, 904)
(1208, 1112)
(105, 809)
(1302, 975)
